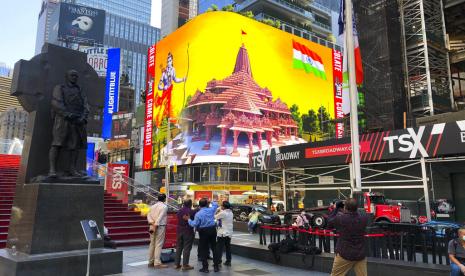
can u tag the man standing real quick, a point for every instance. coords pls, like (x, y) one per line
(69, 114)
(204, 222)
(224, 220)
(185, 237)
(157, 221)
(350, 247)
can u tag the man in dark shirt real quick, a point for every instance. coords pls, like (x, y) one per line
(185, 237)
(350, 247)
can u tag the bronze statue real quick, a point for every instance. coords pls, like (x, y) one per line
(70, 110)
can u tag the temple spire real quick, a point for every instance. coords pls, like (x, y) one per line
(242, 61)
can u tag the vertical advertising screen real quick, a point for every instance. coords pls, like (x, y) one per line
(111, 90)
(223, 86)
(116, 181)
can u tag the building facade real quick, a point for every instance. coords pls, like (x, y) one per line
(379, 29)
(5, 71)
(312, 20)
(6, 100)
(175, 13)
(13, 123)
(127, 26)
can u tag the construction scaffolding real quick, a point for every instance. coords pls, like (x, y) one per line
(426, 59)
(379, 29)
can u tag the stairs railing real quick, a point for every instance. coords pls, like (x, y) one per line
(102, 172)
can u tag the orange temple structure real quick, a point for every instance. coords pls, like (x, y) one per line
(237, 104)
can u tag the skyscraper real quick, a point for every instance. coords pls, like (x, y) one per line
(127, 26)
(312, 20)
(175, 13)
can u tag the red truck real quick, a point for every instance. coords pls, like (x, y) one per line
(373, 203)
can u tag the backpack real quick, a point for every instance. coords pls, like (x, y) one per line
(283, 247)
(309, 250)
(287, 245)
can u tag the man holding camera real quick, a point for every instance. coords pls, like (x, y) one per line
(350, 247)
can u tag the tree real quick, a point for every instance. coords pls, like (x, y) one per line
(248, 14)
(310, 122)
(324, 119)
(296, 116)
(213, 7)
(228, 8)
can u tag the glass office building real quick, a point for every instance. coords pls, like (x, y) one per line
(312, 20)
(137, 10)
(127, 27)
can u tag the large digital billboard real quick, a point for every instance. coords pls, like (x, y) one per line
(227, 86)
(80, 24)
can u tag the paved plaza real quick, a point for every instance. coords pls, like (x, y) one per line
(135, 264)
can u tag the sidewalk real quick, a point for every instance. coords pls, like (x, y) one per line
(135, 264)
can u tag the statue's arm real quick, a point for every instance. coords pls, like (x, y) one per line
(57, 102)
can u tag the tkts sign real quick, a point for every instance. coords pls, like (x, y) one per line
(426, 141)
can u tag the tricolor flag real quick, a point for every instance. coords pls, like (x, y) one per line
(358, 59)
(358, 56)
(304, 58)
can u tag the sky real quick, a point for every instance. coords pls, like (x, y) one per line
(18, 27)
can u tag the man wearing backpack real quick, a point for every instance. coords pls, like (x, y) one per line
(350, 247)
(457, 254)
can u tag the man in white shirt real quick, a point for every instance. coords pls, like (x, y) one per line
(224, 220)
(157, 221)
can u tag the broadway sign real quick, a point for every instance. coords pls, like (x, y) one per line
(426, 141)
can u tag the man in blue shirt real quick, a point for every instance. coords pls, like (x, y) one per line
(204, 222)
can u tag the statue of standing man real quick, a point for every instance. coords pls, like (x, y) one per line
(70, 110)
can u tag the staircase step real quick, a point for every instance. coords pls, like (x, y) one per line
(106, 201)
(135, 242)
(121, 213)
(3, 236)
(5, 216)
(127, 236)
(115, 209)
(6, 222)
(125, 223)
(126, 229)
(5, 197)
(5, 211)
(124, 218)
(3, 243)
(3, 229)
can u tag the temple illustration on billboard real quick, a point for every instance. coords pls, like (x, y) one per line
(214, 120)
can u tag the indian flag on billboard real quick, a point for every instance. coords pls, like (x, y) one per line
(304, 58)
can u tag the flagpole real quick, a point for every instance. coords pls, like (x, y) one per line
(353, 96)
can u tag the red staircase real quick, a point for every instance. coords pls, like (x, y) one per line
(9, 166)
(125, 227)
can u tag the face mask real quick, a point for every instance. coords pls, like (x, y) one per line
(463, 238)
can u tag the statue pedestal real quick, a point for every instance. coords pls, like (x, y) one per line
(45, 229)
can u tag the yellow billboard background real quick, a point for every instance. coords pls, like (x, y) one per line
(214, 39)
(206, 48)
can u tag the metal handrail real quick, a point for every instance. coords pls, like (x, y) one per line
(101, 170)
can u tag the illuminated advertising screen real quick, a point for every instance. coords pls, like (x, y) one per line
(80, 24)
(223, 86)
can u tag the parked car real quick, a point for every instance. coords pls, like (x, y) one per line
(241, 213)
